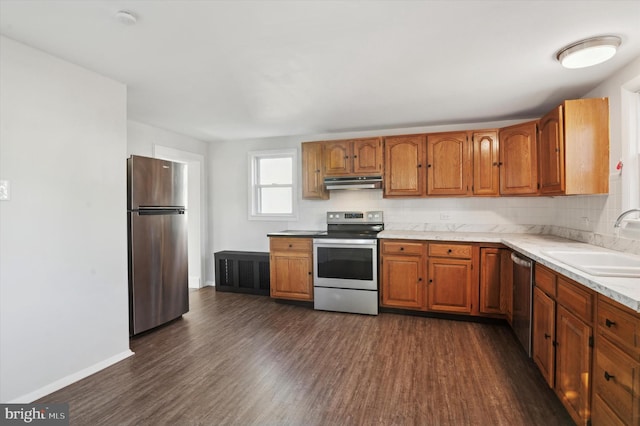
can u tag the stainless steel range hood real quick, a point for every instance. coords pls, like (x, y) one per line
(353, 182)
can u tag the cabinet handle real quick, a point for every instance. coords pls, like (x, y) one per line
(401, 248)
(346, 156)
(419, 279)
(290, 245)
(355, 156)
(318, 171)
(449, 251)
(430, 281)
(419, 166)
(310, 273)
(609, 323)
(547, 336)
(428, 165)
(500, 164)
(608, 376)
(495, 164)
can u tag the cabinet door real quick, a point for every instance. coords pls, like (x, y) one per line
(312, 176)
(449, 285)
(573, 364)
(337, 158)
(506, 272)
(403, 282)
(291, 275)
(486, 161)
(447, 164)
(543, 328)
(491, 300)
(519, 158)
(404, 166)
(367, 156)
(551, 152)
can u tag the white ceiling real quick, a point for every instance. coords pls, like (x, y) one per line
(222, 70)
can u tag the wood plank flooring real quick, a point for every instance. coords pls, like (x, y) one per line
(239, 359)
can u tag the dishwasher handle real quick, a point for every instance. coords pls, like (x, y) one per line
(521, 261)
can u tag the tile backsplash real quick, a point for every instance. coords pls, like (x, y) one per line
(587, 218)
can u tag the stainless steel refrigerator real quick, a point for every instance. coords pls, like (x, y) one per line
(157, 227)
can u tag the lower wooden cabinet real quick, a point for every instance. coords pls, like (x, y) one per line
(291, 268)
(496, 279)
(450, 282)
(563, 339)
(616, 372)
(402, 274)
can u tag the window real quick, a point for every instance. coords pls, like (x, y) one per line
(272, 185)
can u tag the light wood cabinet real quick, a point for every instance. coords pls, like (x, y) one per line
(312, 174)
(519, 159)
(404, 166)
(616, 373)
(486, 163)
(574, 148)
(291, 268)
(492, 299)
(563, 339)
(353, 157)
(402, 274)
(506, 281)
(450, 281)
(448, 163)
(544, 311)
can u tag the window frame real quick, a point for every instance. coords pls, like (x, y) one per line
(254, 186)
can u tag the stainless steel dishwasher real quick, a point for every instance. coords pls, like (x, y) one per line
(522, 299)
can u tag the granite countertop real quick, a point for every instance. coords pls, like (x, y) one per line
(623, 290)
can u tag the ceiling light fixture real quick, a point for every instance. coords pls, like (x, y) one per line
(588, 52)
(125, 17)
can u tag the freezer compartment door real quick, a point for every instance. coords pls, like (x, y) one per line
(158, 272)
(155, 183)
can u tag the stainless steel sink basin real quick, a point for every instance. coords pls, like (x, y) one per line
(600, 263)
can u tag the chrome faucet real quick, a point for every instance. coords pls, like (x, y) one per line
(619, 219)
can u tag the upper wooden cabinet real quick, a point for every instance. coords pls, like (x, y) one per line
(312, 175)
(404, 166)
(355, 156)
(574, 148)
(519, 159)
(486, 162)
(448, 160)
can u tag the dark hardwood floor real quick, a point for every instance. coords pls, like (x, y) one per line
(246, 360)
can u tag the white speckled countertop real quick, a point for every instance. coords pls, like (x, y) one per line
(624, 290)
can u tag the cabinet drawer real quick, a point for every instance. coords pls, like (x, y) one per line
(298, 244)
(617, 381)
(602, 415)
(545, 279)
(623, 328)
(450, 250)
(576, 298)
(402, 247)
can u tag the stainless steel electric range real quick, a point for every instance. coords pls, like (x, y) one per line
(345, 269)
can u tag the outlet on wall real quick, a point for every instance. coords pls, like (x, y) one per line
(445, 216)
(4, 190)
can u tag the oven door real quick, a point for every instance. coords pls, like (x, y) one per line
(345, 263)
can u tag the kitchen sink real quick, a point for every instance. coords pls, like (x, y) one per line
(600, 263)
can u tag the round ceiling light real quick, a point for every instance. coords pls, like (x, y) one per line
(588, 52)
(125, 17)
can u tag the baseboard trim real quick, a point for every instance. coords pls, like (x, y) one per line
(72, 378)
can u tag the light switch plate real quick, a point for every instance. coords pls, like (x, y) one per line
(5, 193)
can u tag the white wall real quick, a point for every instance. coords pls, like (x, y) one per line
(63, 233)
(230, 229)
(147, 140)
